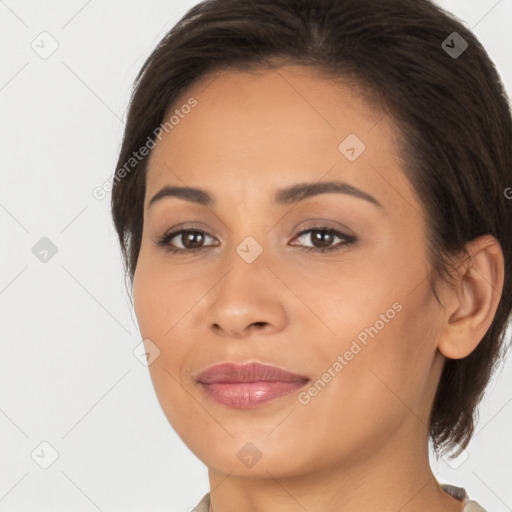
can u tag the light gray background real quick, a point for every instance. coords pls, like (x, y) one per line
(68, 375)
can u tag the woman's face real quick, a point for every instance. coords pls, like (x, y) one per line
(359, 322)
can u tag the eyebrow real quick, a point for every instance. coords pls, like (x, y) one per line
(284, 196)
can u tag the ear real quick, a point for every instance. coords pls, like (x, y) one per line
(471, 303)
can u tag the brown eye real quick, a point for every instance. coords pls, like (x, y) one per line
(192, 239)
(323, 238)
(184, 240)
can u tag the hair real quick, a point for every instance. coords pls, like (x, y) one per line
(453, 115)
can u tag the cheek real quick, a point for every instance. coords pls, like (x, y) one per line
(391, 354)
(385, 324)
(380, 387)
(159, 299)
(159, 308)
(162, 305)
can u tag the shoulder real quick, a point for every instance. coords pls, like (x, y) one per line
(204, 504)
(472, 506)
(461, 494)
(456, 492)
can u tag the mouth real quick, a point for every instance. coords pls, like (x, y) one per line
(248, 385)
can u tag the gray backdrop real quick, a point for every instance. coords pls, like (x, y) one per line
(80, 425)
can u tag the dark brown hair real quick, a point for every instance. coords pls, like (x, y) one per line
(452, 112)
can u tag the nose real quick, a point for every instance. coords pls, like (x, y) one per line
(248, 299)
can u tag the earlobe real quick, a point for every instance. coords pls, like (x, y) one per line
(474, 298)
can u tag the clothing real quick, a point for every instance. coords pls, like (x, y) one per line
(461, 494)
(457, 492)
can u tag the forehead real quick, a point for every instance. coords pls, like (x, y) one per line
(268, 129)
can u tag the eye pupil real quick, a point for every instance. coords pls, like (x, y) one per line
(324, 237)
(196, 238)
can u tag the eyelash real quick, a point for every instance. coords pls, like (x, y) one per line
(348, 240)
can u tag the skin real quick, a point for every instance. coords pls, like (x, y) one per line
(361, 443)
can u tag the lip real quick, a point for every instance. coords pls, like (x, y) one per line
(248, 385)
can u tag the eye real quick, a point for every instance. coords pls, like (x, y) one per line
(191, 240)
(322, 238)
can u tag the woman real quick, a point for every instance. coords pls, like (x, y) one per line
(311, 199)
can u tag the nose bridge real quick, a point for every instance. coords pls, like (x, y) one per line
(250, 250)
(249, 236)
(245, 295)
(246, 266)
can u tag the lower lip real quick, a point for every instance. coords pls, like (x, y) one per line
(246, 395)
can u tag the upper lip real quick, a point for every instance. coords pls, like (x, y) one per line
(247, 372)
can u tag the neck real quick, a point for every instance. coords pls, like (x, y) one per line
(398, 477)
